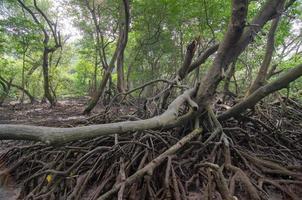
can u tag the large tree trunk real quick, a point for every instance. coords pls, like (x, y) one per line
(223, 57)
(234, 43)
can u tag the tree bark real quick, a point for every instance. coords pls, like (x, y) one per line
(184, 70)
(263, 71)
(120, 47)
(262, 92)
(6, 88)
(222, 59)
(60, 136)
(124, 29)
(229, 75)
(203, 57)
(46, 87)
(57, 39)
(236, 39)
(10, 83)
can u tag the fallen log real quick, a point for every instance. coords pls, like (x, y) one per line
(60, 136)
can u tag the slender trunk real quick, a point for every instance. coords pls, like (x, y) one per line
(263, 71)
(31, 98)
(121, 44)
(101, 89)
(129, 86)
(181, 45)
(121, 83)
(47, 93)
(99, 93)
(6, 88)
(23, 76)
(95, 72)
(124, 28)
(52, 28)
(229, 75)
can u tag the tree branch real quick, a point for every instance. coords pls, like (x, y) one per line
(262, 92)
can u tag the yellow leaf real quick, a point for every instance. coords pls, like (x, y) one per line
(49, 178)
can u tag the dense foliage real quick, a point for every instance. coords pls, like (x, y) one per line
(159, 34)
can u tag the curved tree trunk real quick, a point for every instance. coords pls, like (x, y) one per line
(263, 71)
(52, 29)
(46, 86)
(234, 43)
(118, 54)
(94, 100)
(5, 82)
(6, 88)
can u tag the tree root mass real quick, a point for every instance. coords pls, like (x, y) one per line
(257, 156)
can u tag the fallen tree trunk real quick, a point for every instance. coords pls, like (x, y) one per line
(170, 118)
(60, 136)
(263, 91)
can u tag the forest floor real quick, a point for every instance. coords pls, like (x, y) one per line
(67, 113)
(278, 118)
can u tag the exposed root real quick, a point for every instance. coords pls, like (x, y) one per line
(244, 158)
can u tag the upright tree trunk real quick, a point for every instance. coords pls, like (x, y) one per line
(229, 75)
(263, 71)
(121, 83)
(124, 28)
(92, 103)
(235, 41)
(46, 87)
(118, 53)
(52, 28)
(23, 75)
(95, 72)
